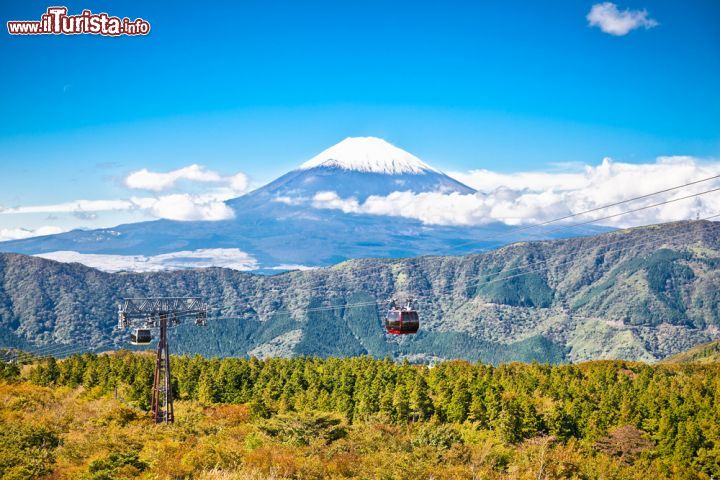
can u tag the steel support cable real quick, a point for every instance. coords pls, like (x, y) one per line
(62, 350)
(541, 235)
(66, 352)
(43, 349)
(585, 212)
(589, 248)
(48, 349)
(28, 356)
(541, 262)
(639, 209)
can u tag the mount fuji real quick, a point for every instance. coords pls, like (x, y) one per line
(301, 219)
(356, 168)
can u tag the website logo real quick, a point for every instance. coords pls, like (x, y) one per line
(56, 21)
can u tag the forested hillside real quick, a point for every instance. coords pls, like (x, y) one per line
(308, 418)
(704, 353)
(643, 294)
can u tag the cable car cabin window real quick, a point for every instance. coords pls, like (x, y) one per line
(410, 317)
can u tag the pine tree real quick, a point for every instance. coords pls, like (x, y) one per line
(47, 374)
(559, 423)
(386, 401)
(208, 392)
(401, 404)
(478, 410)
(532, 423)
(91, 377)
(259, 409)
(420, 403)
(9, 371)
(509, 422)
(457, 410)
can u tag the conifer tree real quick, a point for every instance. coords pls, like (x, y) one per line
(386, 401)
(401, 404)
(457, 410)
(208, 392)
(509, 422)
(9, 371)
(420, 403)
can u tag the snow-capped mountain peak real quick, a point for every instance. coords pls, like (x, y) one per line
(368, 154)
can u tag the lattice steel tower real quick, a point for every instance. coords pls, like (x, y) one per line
(147, 314)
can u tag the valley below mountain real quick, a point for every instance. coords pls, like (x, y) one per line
(639, 294)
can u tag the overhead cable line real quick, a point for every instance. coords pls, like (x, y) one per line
(585, 212)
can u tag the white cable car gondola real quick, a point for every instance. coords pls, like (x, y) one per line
(141, 336)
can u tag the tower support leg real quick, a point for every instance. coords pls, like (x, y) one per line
(162, 399)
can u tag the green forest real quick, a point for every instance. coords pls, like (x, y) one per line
(85, 417)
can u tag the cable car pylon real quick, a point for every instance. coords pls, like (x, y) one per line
(161, 313)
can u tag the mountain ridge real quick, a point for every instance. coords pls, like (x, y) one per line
(638, 294)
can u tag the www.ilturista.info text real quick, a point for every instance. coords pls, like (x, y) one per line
(56, 21)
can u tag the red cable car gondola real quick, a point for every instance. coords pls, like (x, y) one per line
(402, 320)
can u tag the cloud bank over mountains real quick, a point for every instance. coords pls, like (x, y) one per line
(533, 197)
(208, 257)
(185, 194)
(19, 233)
(516, 198)
(208, 206)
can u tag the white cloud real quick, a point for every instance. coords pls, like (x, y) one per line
(530, 197)
(206, 204)
(183, 206)
(160, 181)
(292, 266)
(238, 182)
(71, 207)
(609, 19)
(333, 201)
(487, 181)
(179, 206)
(20, 233)
(209, 257)
(291, 200)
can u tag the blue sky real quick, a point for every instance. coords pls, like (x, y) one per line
(259, 87)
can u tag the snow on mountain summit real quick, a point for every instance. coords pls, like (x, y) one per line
(368, 154)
